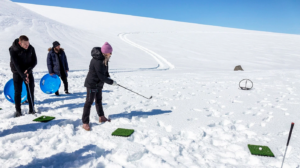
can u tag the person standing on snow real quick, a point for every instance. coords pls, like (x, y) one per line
(22, 61)
(94, 82)
(58, 64)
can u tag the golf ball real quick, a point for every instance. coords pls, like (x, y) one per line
(260, 148)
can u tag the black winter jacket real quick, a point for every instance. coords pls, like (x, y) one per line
(21, 59)
(53, 60)
(98, 72)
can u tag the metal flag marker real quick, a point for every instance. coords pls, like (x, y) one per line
(291, 130)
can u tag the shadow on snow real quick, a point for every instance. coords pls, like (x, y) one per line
(36, 126)
(139, 114)
(63, 98)
(75, 159)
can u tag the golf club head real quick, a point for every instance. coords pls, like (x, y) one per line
(150, 97)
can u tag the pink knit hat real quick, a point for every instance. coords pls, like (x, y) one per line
(106, 48)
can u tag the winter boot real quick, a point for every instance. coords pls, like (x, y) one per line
(103, 119)
(31, 112)
(67, 92)
(86, 127)
(57, 93)
(18, 114)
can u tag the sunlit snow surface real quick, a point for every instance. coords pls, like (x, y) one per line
(198, 117)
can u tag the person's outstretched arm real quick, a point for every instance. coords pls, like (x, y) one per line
(33, 63)
(107, 74)
(16, 63)
(102, 77)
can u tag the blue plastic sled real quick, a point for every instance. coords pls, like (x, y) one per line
(50, 84)
(9, 92)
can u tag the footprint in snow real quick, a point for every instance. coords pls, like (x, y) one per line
(229, 113)
(197, 110)
(257, 114)
(267, 119)
(192, 119)
(237, 101)
(248, 112)
(168, 128)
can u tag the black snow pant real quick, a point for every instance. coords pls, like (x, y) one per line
(91, 95)
(64, 78)
(18, 82)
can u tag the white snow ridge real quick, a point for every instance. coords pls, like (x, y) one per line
(198, 117)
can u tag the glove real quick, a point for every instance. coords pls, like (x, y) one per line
(115, 83)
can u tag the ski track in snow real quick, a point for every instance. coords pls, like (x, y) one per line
(163, 64)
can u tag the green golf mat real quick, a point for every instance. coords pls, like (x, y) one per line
(122, 132)
(266, 151)
(44, 119)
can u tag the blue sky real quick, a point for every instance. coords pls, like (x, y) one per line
(281, 16)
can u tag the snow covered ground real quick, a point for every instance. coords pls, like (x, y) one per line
(197, 118)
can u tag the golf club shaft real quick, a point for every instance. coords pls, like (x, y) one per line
(134, 92)
(30, 96)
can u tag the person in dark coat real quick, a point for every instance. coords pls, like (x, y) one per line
(94, 82)
(58, 64)
(22, 61)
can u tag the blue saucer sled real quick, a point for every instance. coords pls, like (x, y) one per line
(9, 92)
(50, 84)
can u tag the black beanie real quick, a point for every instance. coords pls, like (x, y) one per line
(55, 44)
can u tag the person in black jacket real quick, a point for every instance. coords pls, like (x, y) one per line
(22, 61)
(58, 64)
(94, 82)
